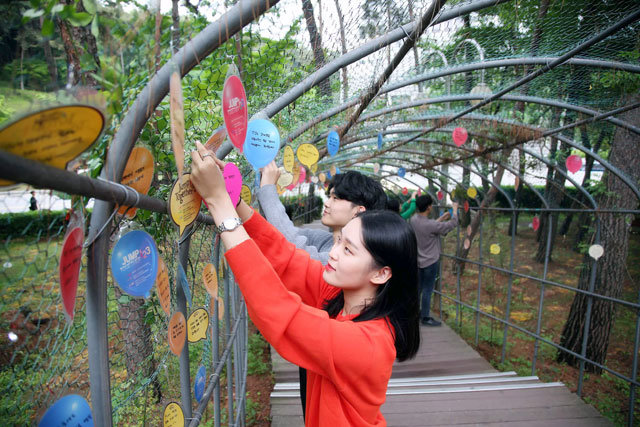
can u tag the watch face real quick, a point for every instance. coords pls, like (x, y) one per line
(229, 223)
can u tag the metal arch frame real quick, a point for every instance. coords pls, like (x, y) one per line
(460, 69)
(619, 174)
(96, 296)
(511, 98)
(362, 51)
(494, 161)
(475, 44)
(632, 17)
(542, 159)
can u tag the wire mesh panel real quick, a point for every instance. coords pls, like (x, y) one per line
(543, 92)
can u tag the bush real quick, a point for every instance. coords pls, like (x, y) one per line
(296, 207)
(35, 223)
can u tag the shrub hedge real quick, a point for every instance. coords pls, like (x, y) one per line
(33, 223)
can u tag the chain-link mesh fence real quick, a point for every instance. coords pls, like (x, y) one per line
(306, 64)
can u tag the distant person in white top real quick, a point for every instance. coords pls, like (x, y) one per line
(428, 232)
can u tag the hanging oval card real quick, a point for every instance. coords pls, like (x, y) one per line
(138, 174)
(70, 262)
(162, 287)
(233, 182)
(210, 279)
(173, 415)
(262, 143)
(379, 141)
(308, 154)
(440, 195)
(333, 143)
(134, 263)
(234, 110)
(472, 192)
(177, 333)
(288, 158)
(535, 223)
(573, 163)
(199, 383)
(402, 172)
(197, 325)
(184, 202)
(245, 194)
(459, 136)
(70, 407)
(54, 136)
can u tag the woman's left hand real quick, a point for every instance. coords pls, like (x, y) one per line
(206, 176)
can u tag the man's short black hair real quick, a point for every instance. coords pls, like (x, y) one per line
(423, 202)
(359, 190)
(393, 204)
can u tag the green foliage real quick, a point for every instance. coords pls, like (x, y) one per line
(32, 223)
(258, 348)
(296, 206)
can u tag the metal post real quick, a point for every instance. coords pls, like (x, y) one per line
(96, 309)
(227, 328)
(587, 320)
(181, 303)
(536, 344)
(508, 309)
(479, 292)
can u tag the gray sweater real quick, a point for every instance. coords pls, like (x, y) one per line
(317, 243)
(428, 232)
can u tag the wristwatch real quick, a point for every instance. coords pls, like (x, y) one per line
(228, 224)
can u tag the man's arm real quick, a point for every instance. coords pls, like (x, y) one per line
(315, 242)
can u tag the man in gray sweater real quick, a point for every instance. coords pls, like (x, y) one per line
(428, 232)
(349, 194)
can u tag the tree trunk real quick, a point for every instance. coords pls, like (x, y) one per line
(517, 197)
(554, 193)
(48, 56)
(78, 41)
(416, 59)
(175, 26)
(566, 224)
(316, 44)
(535, 44)
(343, 42)
(136, 334)
(475, 222)
(609, 277)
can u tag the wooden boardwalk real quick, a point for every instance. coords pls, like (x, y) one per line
(449, 383)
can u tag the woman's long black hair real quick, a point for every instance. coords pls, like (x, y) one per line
(391, 242)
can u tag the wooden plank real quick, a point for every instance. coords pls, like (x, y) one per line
(488, 416)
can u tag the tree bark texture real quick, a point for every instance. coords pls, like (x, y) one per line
(77, 41)
(343, 43)
(554, 193)
(609, 278)
(475, 222)
(316, 44)
(136, 334)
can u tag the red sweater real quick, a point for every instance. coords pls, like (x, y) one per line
(348, 363)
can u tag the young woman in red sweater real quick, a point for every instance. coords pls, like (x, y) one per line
(345, 322)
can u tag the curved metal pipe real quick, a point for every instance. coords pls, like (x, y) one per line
(464, 68)
(371, 46)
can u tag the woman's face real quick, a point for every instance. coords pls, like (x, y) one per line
(338, 212)
(350, 266)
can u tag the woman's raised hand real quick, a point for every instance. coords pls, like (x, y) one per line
(206, 176)
(270, 174)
